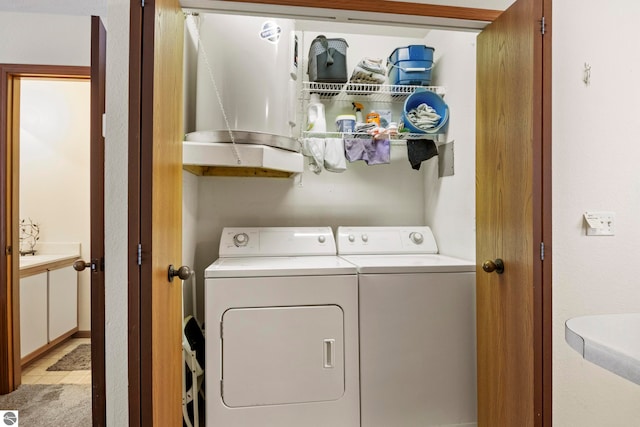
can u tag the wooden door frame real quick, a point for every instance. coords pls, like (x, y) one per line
(10, 370)
(545, 324)
(139, 377)
(97, 159)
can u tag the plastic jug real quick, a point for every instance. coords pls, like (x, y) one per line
(316, 121)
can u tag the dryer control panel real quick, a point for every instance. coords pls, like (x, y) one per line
(386, 240)
(276, 241)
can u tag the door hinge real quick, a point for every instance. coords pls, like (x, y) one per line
(221, 330)
(8, 250)
(221, 388)
(142, 3)
(139, 253)
(542, 251)
(543, 26)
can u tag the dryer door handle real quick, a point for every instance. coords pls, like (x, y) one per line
(329, 353)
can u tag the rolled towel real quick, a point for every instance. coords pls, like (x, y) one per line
(424, 117)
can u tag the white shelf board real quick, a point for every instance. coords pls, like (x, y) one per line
(251, 156)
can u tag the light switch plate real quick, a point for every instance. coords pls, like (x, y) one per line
(600, 223)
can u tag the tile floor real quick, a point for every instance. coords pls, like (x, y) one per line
(36, 372)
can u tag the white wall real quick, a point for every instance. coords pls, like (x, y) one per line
(55, 169)
(29, 38)
(190, 185)
(450, 201)
(595, 167)
(116, 172)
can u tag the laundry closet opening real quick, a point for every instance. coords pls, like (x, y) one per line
(440, 194)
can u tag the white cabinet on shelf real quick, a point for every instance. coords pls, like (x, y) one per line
(33, 313)
(63, 301)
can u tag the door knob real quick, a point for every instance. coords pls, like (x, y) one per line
(183, 272)
(491, 266)
(80, 265)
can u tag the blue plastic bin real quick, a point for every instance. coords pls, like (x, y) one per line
(410, 65)
(433, 100)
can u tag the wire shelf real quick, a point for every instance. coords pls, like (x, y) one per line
(399, 138)
(368, 92)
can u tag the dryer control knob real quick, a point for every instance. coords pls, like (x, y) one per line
(241, 239)
(365, 238)
(416, 238)
(352, 238)
(322, 239)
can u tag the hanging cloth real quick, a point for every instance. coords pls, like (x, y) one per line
(419, 150)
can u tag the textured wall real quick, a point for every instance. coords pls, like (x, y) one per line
(595, 167)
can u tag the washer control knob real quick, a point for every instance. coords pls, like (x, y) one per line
(365, 238)
(241, 239)
(352, 238)
(322, 239)
(416, 238)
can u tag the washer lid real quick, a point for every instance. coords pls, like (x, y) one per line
(421, 263)
(279, 266)
(386, 240)
(276, 241)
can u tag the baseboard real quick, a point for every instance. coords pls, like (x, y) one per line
(82, 334)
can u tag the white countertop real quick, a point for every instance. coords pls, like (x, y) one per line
(28, 261)
(611, 341)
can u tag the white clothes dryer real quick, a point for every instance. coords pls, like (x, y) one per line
(281, 312)
(417, 328)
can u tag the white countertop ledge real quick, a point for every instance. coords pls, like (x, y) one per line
(611, 341)
(29, 261)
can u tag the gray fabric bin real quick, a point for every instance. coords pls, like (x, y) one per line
(328, 60)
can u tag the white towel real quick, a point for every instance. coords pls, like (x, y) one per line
(334, 160)
(314, 149)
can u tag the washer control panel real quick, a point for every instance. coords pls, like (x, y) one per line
(386, 240)
(276, 241)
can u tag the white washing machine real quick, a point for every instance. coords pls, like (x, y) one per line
(417, 328)
(281, 312)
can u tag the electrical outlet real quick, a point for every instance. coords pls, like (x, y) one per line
(600, 223)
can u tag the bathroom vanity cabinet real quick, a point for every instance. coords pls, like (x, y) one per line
(33, 313)
(48, 304)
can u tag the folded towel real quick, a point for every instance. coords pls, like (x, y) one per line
(361, 75)
(369, 70)
(372, 151)
(374, 65)
(334, 160)
(419, 150)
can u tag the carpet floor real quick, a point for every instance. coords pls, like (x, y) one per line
(50, 405)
